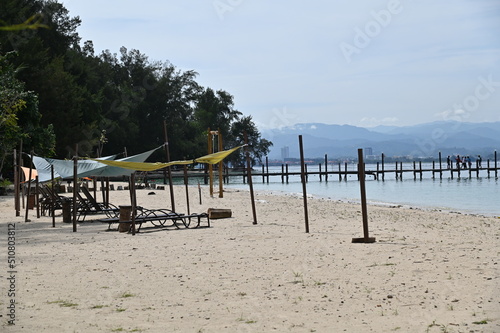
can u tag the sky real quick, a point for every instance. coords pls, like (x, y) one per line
(363, 63)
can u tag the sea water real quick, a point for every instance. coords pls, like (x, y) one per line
(467, 193)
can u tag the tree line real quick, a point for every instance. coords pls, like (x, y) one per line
(56, 92)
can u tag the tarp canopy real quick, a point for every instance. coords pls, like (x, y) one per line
(26, 173)
(86, 168)
(209, 159)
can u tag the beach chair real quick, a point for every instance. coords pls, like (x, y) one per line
(90, 206)
(50, 197)
(162, 218)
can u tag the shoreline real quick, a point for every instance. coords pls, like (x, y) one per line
(427, 271)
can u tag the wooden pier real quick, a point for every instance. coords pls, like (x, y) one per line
(342, 171)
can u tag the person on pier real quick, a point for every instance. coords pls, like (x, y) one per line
(458, 160)
(479, 159)
(448, 161)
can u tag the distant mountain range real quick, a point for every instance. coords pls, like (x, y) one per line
(418, 141)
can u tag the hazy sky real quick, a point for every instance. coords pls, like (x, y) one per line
(362, 63)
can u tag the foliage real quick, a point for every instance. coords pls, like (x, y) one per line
(104, 102)
(20, 117)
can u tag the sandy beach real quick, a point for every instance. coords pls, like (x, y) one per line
(428, 271)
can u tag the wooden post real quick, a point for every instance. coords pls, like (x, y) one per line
(319, 172)
(169, 169)
(414, 171)
(420, 167)
(361, 172)
(249, 173)
(28, 181)
(396, 170)
(286, 169)
(52, 211)
(187, 189)
(282, 173)
(20, 173)
(263, 176)
(75, 185)
(134, 202)
(440, 167)
(340, 172)
(267, 169)
(37, 201)
(16, 185)
(383, 170)
(488, 167)
(496, 169)
(199, 190)
(210, 167)
(306, 173)
(326, 168)
(303, 179)
(221, 166)
(345, 176)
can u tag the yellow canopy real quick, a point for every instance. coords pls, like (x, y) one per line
(142, 166)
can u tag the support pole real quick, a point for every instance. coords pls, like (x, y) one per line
(326, 168)
(75, 185)
(210, 167)
(361, 173)
(169, 169)
(52, 210)
(249, 175)
(187, 189)
(133, 202)
(221, 167)
(16, 184)
(303, 179)
(37, 193)
(28, 181)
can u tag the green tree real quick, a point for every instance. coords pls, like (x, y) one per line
(258, 146)
(20, 117)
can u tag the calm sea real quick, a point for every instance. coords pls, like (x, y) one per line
(468, 194)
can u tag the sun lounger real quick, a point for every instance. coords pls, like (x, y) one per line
(89, 206)
(163, 218)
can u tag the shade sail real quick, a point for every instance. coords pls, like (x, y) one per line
(210, 159)
(86, 168)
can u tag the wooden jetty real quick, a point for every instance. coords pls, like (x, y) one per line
(343, 171)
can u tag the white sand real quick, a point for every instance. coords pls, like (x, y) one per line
(427, 272)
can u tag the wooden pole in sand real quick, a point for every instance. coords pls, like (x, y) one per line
(19, 174)
(75, 185)
(167, 153)
(133, 201)
(361, 173)
(16, 184)
(249, 176)
(210, 167)
(303, 179)
(221, 166)
(52, 210)
(37, 203)
(26, 219)
(187, 189)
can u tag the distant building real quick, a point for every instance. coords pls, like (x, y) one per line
(368, 151)
(285, 153)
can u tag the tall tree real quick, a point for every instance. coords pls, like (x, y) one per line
(19, 116)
